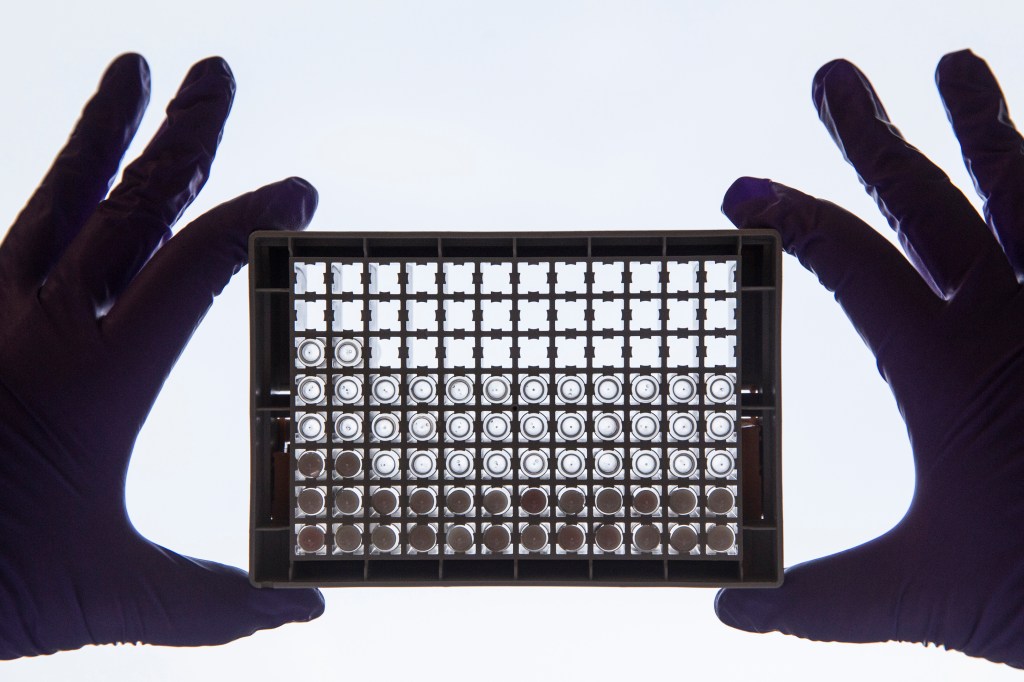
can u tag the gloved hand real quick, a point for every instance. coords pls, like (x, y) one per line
(947, 330)
(97, 300)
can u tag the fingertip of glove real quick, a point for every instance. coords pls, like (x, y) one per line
(128, 70)
(306, 197)
(745, 196)
(287, 204)
(824, 74)
(210, 67)
(288, 605)
(729, 607)
(306, 189)
(962, 67)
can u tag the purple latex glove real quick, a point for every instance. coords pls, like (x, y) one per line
(947, 330)
(97, 300)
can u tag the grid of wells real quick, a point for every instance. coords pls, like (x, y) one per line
(633, 322)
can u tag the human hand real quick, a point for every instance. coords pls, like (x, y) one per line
(947, 330)
(97, 300)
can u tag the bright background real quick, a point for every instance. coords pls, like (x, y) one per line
(513, 116)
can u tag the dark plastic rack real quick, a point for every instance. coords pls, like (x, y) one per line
(280, 556)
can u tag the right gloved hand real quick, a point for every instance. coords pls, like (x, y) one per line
(947, 329)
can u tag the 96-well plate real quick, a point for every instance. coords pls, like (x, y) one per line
(510, 409)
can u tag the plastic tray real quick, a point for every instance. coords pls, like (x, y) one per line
(559, 408)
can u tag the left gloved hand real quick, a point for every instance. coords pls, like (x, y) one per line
(97, 300)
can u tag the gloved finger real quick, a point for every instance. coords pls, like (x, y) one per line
(942, 233)
(878, 289)
(838, 598)
(151, 323)
(80, 175)
(992, 148)
(157, 187)
(182, 601)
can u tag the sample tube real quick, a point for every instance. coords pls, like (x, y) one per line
(348, 427)
(348, 390)
(348, 501)
(608, 537)
(310, 501)
(497, 463)
(384, 538)
(385, 463)
(459, 463)
(311, 352)
(311, 539)
(459, 426)
(385, 389)
(682, 425)
(348, 464)
(720, 388)
(311, 389)
(497, 538)
(721, 426)
(608, 426)
(311, 426)
(683, 539)
(608, 463)
(682, 501)
(571, 537)
(533, 501)
(608, 389)
(534, 426)
(646, 501)
(570, 426)
(570, 389)
(459, 390)
(646, 538)
(533, 463)
(608, 501)
(497, 426)
(460, 538)
(721, 538)
(311, 464)
(682, 389)
(571, 463)
(422, 538)
(348, 352)
(533, 538)
(422, 501)
(534, 389)
(645, 463)
(683, 463)
(645, 426)
(423, 389)
(422, 464)
(497, 389)
(348, 539)
(423, 427)
(645, 389)
(384, 426)
(721, 501)
(384, 501)
(497, 501)
(720, 463)
(571, 501)
(459, 501)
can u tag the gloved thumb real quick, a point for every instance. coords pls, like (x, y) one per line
(192, 602)
(852, 596)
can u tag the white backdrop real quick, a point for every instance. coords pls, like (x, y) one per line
(513, 116)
